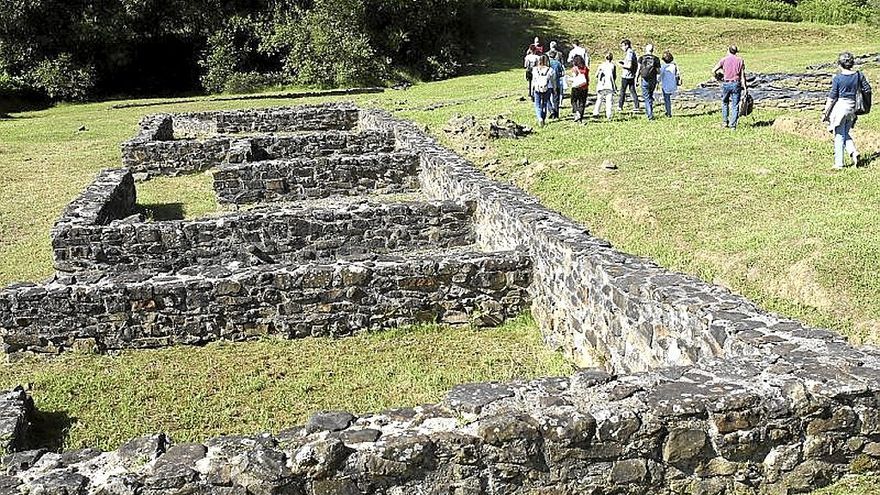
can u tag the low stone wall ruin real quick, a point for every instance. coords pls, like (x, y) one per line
(311, 178)
(203, 304)
(16, 411)
(179, 144)
(286, 234)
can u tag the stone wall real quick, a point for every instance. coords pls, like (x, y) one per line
(309, 178)
(109, 197)
(190, 143)
(15, 415)
(288, 234)
(105, 311)
(785, 423)
(189, 156)
(602, 307)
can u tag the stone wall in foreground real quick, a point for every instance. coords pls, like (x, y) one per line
(785, 423)
(286, 234)
(311, 178)
(106, 311)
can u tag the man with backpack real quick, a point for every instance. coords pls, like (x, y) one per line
(630, 65)
(732, 72)
(649, 69)
(556, 97)
(543, 85)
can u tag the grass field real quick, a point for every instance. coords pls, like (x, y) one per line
(757, 210)
(197, 393)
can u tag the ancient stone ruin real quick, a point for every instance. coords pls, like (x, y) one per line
(686, 387)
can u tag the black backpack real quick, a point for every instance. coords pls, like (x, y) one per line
(746, 105)
(649, 67)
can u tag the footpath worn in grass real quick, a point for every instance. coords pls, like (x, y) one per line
(196, 393)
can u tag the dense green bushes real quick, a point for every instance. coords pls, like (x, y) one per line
(75, 49)
(824, 11)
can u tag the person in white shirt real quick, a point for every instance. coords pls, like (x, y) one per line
(670, 80)
(530, 61)
(579, 50)
(606, 87)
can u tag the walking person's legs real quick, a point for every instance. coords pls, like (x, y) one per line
(609, 103)
(539, 108)
(850, 145)
(725, 102)
(623, 83)
(840, 134)
(667, 103)
(734, 105)
(598, 106)
(648, 96)
(635, 96)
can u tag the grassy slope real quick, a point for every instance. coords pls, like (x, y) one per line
(757, 210)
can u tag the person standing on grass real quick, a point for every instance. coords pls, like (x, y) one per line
(607, 85)
(580, 85)
(554, 53)
(536, 46)
(578, 50)
(670, 80)
(733, 69)
(559, 87)
(543, 85)
(529, 63)
(840, 108)
(649, 71)
(630, 65)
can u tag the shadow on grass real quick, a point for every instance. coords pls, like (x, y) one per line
(507, 33)
(163, 212)
(868, 160)
(49, 430)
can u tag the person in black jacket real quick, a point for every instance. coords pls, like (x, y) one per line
(649, 70)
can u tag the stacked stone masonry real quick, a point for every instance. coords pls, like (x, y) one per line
(328, 268)
(204, 304)
(190, 143)
(285, 234)
(16, 411)
(701, 393)
(308, 178)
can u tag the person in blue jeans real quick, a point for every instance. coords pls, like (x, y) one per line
(559, 87)
(840, 108)
(732, 70)
(649, 70)
(543, 87)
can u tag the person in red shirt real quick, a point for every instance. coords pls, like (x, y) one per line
(732, 70)
(580, 85)
(536, 47)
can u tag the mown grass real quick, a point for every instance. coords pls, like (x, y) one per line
(196, 393)
(757, 210)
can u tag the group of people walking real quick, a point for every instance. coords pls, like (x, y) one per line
(548, 79)
(547, 82)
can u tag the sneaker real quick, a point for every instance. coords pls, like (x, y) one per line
(724, 125)
(855, 159)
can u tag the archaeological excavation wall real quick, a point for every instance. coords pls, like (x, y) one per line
(289, 233)
(693, 390)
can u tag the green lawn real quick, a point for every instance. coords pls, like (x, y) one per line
(758, 210)
(197, 393)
